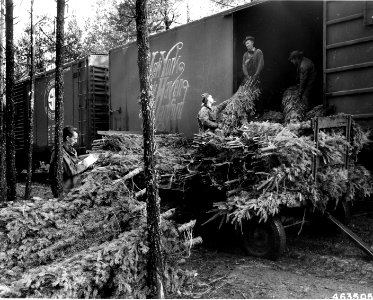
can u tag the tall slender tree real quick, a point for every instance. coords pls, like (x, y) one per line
(57, 184)
(10, 137)
(155, 266)
(30, 106)
(3, 186)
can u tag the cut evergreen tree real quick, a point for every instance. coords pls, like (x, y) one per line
(241, 106)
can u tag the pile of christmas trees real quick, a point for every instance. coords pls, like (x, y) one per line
(92, 242)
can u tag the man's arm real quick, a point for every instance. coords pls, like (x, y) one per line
(71, 168)
(205, 119)
(260, 64)
(220, 107)
(244, 67)
(304, 71)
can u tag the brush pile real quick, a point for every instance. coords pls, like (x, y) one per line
(92, 242)
(126, 144)
(293, 109)
(272, 116)
(268, 166)
(318, 111)
(240, 107)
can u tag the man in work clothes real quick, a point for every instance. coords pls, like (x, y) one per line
(72, 165)
(208, 114)
(306, 76)
(252, 61)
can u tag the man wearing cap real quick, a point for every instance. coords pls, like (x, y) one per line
(208, 114)
(306, 76)
(253, 60)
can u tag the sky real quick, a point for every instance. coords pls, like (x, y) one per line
(84, 8)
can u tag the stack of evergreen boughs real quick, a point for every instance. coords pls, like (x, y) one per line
(293, 108)
(92, 243)
(272, 116)
(240, 107)
(273, 169)
(131, 143)
(318, 111)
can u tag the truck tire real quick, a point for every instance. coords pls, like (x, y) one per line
(264, 240)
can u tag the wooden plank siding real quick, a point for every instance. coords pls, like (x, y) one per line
(348, 57)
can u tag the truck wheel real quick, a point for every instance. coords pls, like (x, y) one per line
(265, 240)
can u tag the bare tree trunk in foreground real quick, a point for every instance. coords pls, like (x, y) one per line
(30, 107)
(10, 137)
(57, 182)
(155, 262)
(3, 185)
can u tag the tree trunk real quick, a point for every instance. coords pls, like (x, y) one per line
(188, 12)
(30, 108)
(57, 182)
(3, 186)
(10, 137)
(155, 262)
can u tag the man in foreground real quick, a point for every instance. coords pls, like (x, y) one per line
(72, 165)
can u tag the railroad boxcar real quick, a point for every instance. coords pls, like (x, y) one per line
(86, 106)
(206, 56)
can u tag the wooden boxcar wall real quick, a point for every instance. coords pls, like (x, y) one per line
(185, 62)
(348, 63)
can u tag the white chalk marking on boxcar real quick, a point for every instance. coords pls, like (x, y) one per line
(169, 87)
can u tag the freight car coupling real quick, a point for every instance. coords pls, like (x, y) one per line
(364, 246)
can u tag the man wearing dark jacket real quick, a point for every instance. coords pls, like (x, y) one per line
(72, 165)
(252, 60)
(208, 114)
(306, 76)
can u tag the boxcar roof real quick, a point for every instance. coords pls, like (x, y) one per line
(65, 65)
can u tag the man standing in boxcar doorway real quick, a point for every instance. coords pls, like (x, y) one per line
(252, 61)
(306, 76)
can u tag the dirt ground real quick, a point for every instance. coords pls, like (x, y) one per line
(318, 263)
